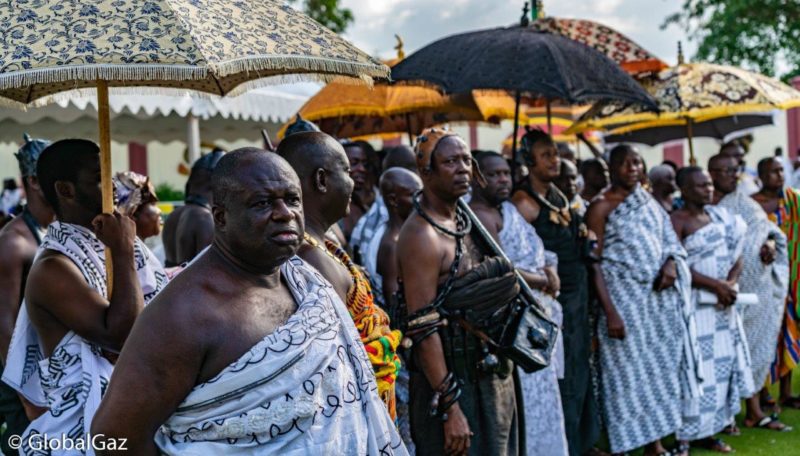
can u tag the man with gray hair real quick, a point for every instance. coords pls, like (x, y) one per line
(663, 186)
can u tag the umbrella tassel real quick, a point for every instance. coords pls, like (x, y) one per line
(104, 127)
(692, 159)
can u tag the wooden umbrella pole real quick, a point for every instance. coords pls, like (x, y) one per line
(514, 137)
(408, 129)
(549, 119)
(104, 127)
(692, 159)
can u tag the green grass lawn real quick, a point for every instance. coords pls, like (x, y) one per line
(758, 442)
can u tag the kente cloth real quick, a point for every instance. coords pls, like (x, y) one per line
(544, 417)
(372, 324)
(307, 388)
(567, 242)
(73, 379)
(639, 407)
(727, 377)
(366, 241)
(787, 217)
(762, 321)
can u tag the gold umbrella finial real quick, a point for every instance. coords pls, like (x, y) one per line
(399, 47)
(538, 10)
(680, 53)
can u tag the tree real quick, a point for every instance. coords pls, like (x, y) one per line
(755, 34)
(328, 13)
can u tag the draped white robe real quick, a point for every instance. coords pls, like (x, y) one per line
(305, 389)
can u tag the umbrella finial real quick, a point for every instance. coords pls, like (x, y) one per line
(538, 10)
(524, 21)
(680, 53)
(399, 47)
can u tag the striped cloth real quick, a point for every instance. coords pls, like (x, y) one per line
(787, 217)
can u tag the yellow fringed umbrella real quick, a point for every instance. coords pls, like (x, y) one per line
(690, 93)
(347, 111)
(213, 46)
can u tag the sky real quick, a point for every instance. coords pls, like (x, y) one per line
(420, 22)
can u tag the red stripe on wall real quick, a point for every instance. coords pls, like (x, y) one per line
(137, 158)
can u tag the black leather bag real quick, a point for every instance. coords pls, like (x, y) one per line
(529, 336)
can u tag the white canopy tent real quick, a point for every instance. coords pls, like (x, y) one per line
(161, 118)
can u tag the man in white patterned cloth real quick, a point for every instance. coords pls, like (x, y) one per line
(643, 285)
(714, 240)
(765, 273)
(545, 431)
(273, 363)
(67, 333)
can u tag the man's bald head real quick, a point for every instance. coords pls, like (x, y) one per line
(661, 172)
(310, 150)
(398, 177)
(398, 186)
(400, 156)
(324, 171)
(230, 174)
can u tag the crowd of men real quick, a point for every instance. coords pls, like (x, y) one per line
(329, 298)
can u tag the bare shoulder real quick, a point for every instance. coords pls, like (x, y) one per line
(14, 244)
(416, 234)
(527, 206)
(600, 206)
(191, 300)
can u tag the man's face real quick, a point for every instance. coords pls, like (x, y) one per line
(88, 191)
(736, 152)
(773, 178)
(148, 220)
(359, 166)
(451, 170)
(597, 175)
(341, 181)
(498, 179)
(628, 171)
(567, 180)
(666, 181)
(546, 162)
(699, 189)
(403, 196)
(263, 214)
(724, 174)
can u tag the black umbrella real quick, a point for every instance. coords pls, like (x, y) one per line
(525, 61)
(715, 128)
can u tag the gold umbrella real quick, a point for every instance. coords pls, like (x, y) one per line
(690, 93)
(214, 46)
(347, 110)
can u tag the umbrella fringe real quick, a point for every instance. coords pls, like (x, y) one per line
(111, 73)
(324, 67)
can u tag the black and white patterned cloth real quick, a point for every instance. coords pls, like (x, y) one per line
(545, 431)
(71, 382)
(762, 321)
(305, 389)
(713, 250)
(640, 375)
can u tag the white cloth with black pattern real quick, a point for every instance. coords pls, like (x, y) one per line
(713, 251)
(644, 376)
(307, 388)
(545, 431)
(762, 321)
(73, 379)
